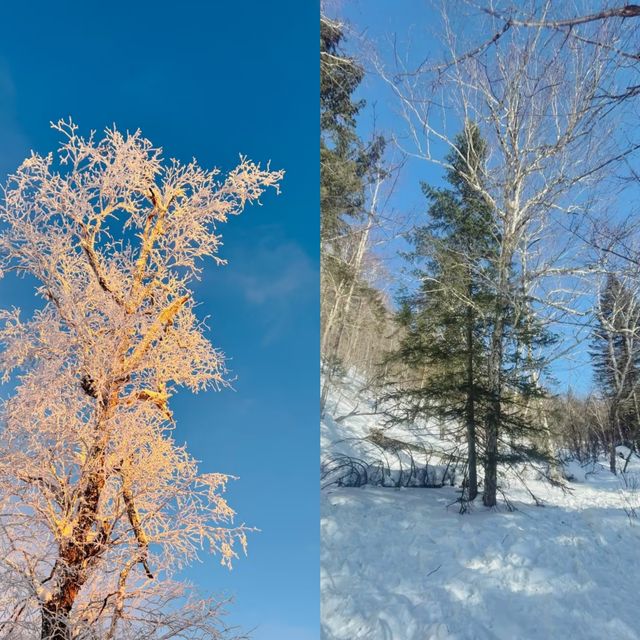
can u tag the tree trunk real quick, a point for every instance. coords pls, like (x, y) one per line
(77, 552)
(330, 320)
(494, 379)
(470, 406)
(612, 445)
(494, 416)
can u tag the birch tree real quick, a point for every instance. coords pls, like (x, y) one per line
(611, 27)
(99, 506)
(539, 100)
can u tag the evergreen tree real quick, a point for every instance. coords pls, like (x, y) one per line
(615, 352)
(341, 162)
(445, 332)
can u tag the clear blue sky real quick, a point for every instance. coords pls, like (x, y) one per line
(212, 80)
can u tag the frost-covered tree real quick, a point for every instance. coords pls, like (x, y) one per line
(99, 507)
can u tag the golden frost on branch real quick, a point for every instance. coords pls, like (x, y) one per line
(98, 505)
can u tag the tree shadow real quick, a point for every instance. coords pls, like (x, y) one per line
(399, 565)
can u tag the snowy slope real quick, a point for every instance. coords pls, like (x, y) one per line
(400, 564)
(351, 431)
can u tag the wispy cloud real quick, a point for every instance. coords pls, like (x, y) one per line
(278, 277)
(286, 270)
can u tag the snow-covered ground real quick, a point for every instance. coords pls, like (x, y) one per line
(404, 564)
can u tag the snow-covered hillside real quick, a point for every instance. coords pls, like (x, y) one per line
(357, 448)
(404, 564)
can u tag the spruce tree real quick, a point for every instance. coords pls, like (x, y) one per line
(445, 330)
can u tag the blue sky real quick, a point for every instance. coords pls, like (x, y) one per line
(212, 80)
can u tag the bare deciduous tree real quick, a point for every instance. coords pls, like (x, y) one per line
(98, 505)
